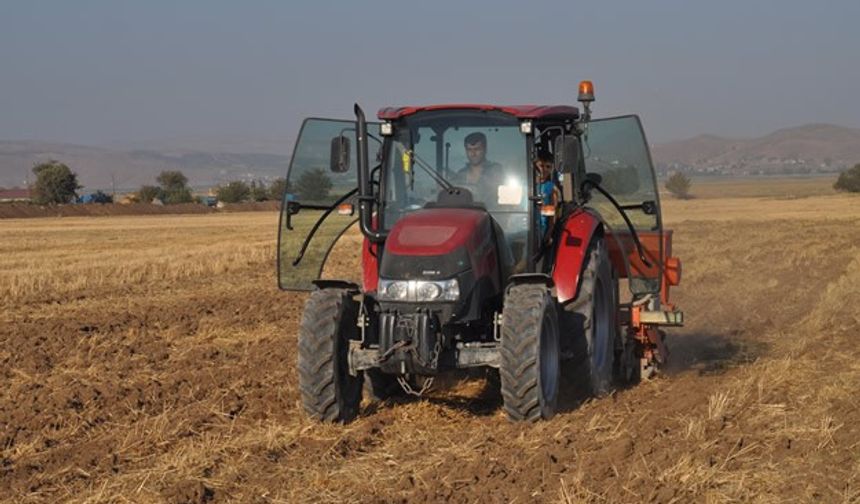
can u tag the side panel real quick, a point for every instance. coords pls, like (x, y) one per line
(370, 260)
(620, 244)
(573, 242)
(369, 265)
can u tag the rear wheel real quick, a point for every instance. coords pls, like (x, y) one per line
(529, 368)
(597, 322)
(329, 392)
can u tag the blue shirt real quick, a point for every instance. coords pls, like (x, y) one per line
(546, 190)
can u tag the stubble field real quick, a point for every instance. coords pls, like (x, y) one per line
(152, 359)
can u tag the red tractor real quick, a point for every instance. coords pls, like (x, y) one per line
(493, 236)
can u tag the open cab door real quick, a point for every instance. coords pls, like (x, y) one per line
(320, 204)
(616, 150)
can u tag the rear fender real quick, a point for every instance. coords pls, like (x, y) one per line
(571, 249)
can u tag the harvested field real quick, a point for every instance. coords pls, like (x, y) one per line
(28, 210)
(152, 359)
(773, 186)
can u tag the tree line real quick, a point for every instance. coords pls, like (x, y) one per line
(678, 184)
(56, 183)
(311, 185)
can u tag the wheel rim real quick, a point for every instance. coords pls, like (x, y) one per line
(549, 363)
(600, 331)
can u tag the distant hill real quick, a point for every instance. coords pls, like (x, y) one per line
(99, 168)
(812, 148)
(224, 144)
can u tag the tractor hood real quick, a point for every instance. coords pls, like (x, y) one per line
(434, 231)
(439, 243)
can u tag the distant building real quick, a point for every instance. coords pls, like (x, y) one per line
(15, 194)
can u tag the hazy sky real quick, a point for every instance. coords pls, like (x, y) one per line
(96, 72)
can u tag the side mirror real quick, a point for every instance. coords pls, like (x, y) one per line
(339, 161)
(566, 150)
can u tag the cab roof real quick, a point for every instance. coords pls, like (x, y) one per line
(519, 111)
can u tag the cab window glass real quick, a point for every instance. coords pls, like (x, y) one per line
(483, 152)
(615, 149)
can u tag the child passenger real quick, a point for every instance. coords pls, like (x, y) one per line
(548, 191)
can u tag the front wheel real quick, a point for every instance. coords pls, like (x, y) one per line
(529, 367)
(329, 392)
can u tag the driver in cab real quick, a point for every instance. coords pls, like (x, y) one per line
(485, 178)
(480, 175)
(477, 165)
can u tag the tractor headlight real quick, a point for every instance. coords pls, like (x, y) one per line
(395, 291)
(419, 290)
(427, 291)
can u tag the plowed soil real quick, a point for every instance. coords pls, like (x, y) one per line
(177, 383)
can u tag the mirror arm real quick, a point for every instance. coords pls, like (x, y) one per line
(632, 229)
(648, 207)
(293, 207)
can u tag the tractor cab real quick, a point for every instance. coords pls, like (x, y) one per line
(473, 255)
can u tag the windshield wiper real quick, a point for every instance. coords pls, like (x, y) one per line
(430, 171)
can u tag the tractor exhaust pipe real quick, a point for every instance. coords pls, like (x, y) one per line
(365, 191)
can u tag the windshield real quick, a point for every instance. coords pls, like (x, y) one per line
(482, 151)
